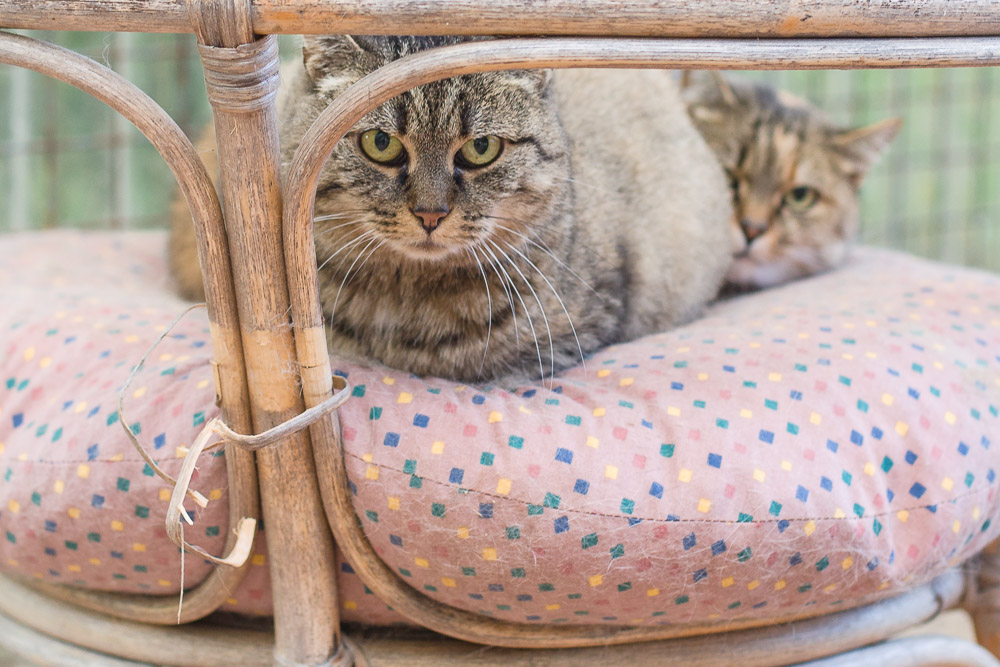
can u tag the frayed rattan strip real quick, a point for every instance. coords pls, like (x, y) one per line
(246, 527)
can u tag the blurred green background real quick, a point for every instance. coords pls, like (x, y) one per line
(67, 161)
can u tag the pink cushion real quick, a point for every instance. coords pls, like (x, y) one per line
(817, 444)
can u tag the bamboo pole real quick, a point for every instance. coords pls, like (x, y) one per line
(241, 75)
(750, 19)
(183, 160)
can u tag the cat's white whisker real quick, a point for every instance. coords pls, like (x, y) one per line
(569, 318)
(355, 241)
(347, 275)
(489, 309)
(506, 289)
(548, 251)
(531, 325)
(541, 308)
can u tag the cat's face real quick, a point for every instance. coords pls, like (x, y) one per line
(440, 172)
(794, 179)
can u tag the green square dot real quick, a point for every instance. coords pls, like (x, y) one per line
(123, 484)
(513, 532)
(437, 509)
(588, 541)
(142, 512)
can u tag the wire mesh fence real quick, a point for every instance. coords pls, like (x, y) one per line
(68, 161)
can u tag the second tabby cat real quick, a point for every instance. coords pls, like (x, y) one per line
(794, 176)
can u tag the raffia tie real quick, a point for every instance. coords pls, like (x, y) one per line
(221, 433)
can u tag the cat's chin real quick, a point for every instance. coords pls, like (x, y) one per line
(428, 250)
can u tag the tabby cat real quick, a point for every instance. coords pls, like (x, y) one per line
(503, 226)
(794, 176)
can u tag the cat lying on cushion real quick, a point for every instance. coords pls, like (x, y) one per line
(794, 176)
(504, 225)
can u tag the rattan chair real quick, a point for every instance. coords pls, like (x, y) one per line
(248, 255)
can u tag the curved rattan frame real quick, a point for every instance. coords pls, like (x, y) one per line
(183, 161)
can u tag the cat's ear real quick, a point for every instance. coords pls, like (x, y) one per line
(707, 87)
(536, 80)
(863, 146)
(323, 55)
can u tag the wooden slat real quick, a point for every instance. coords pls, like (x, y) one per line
(636, 18)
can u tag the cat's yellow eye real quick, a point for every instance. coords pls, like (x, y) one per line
(382, 147)
(801, 198)
(480, 151)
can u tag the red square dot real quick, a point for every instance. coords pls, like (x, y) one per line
(469, 431)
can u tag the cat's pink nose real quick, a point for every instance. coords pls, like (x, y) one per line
(430, 220)
(752, 229)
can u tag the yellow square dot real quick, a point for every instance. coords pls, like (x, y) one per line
(421, 562)
(404, 397)
(774, 377)
(80, 407)
(684, 475)
(83, 471)
(489, 553)
(673, 412)
(704, 505)
(74, 568)
(803, 335)
(180, 451)
(869, 469)
(164, 495)
(786, 466)
(371, 472)
(815, 419)
(350, 604)
(684, 349)
(437, 447)
(2, 446)
(600, 412)
(258, 559)
(975, 513)
(626, 382)
(596, 580)
(830, 588)
(138, 548)
(367, 457)
(902, 515)
(887, 399)
(593, 442)
(727, 582)
(752, 585)
(503, 486)
(611, 472)
(902, 428)
(778, 585)
(118, 457)
(871, 355)
(838, 513)
(495, 417)
(14, 506)
(809, 528)
(392, 502)
(215, 494)
(652, 592)
(949, 417)
(524, 410)
(603, 373)
(938, 365)
(462, 532)
(947, 483)
(73, 513)
(847, 355)
(389, 381)
(957, 526)
(759, 475)
(139, 393)
(702, 376)
(551, 607)
(117, 525)
(94, 561)
(29, 354)
(448, 581)
(202, 384)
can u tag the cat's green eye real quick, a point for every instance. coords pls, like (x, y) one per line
(382, 147)
(479, 152)
(801, 198)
